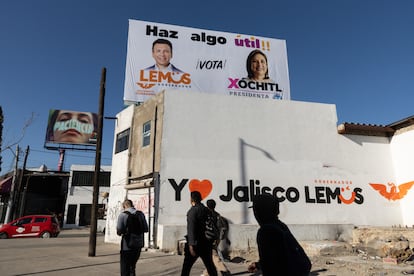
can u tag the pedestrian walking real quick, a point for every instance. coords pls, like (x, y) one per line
(221, 242)
(279, 252)
(131, 226)
(197, 244)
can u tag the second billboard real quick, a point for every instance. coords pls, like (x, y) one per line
(162, 56)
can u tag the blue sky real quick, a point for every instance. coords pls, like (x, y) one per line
(355, 54)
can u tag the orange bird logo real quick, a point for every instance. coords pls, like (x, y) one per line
(393, 194)
(145, 85)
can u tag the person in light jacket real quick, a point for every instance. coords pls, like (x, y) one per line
(131, 244)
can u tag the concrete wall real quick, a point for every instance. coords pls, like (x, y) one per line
(78, 195)
(231, 148)
(119, 177)
(402, 147)
(291, 149)
(243, 237)
(141, 157)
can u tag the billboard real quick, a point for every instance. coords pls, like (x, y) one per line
(163, 56)
(71, 127)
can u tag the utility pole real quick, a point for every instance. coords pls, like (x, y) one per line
(11, 195)
(22, 187)
(94, 211)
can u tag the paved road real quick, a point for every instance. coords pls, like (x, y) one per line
(68, 255)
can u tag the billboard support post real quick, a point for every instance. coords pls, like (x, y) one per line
(61, 159)
(94, 211)
(13, 187)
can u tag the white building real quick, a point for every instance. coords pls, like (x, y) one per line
(80, 194)
(231, 148)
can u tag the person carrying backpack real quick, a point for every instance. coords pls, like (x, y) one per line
(221, 241)
(131, 226)
(279, 251)
(198, 244)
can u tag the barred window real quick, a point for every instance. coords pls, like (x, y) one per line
(85, 178)
(122, 141)
(146, 134)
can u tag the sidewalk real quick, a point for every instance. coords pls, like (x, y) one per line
(68, 255)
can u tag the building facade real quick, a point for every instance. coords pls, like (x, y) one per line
(327, 177)
(32, 191)
(80, 193)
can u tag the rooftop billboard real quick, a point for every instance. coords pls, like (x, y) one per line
(163, 56)
(71, 127)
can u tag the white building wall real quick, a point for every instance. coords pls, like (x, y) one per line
(402, 146)
(78, 195)
(288, 148)
(119, 177)
(285, 144)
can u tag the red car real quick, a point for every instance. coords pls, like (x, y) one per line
(42, 226)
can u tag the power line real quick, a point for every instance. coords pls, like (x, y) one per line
(70, 154)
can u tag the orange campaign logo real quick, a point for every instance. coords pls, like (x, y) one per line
(146, 85)
(203, 186)
(393, 193)
(343, 199)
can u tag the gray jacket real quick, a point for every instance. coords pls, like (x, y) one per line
(121, 230)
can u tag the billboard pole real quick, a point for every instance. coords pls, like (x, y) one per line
(94, 211)
(61, 159)
(13, 187)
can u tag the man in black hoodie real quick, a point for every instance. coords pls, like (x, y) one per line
(279, 252)
(197, 244)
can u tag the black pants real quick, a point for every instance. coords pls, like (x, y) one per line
(129, 259)
(204, 251)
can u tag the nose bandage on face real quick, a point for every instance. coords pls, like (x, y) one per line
(73, 124)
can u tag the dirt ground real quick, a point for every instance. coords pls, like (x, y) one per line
(353, 262)
(364, 255)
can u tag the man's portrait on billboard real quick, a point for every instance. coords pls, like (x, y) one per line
(162, 52)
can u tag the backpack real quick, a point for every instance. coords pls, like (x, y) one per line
(212, 232)
(134, 228)
(223, 226)
(134, 223)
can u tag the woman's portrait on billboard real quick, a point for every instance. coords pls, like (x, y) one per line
(72, 127)
(257, 67)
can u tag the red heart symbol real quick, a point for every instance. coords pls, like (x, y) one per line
(203, 186)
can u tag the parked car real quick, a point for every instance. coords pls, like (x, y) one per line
(42, 226)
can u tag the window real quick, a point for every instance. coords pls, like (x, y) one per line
(41, 219)
(71, 216)
(23, 221)
(85, 178)
(146, 134)
(122, 141)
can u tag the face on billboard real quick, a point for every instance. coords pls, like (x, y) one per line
(257, 68)
(162, 54)
(71, 127)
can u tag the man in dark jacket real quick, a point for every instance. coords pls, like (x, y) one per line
(276, 243)
(197, 244)
(130, 256)
(221, 242)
